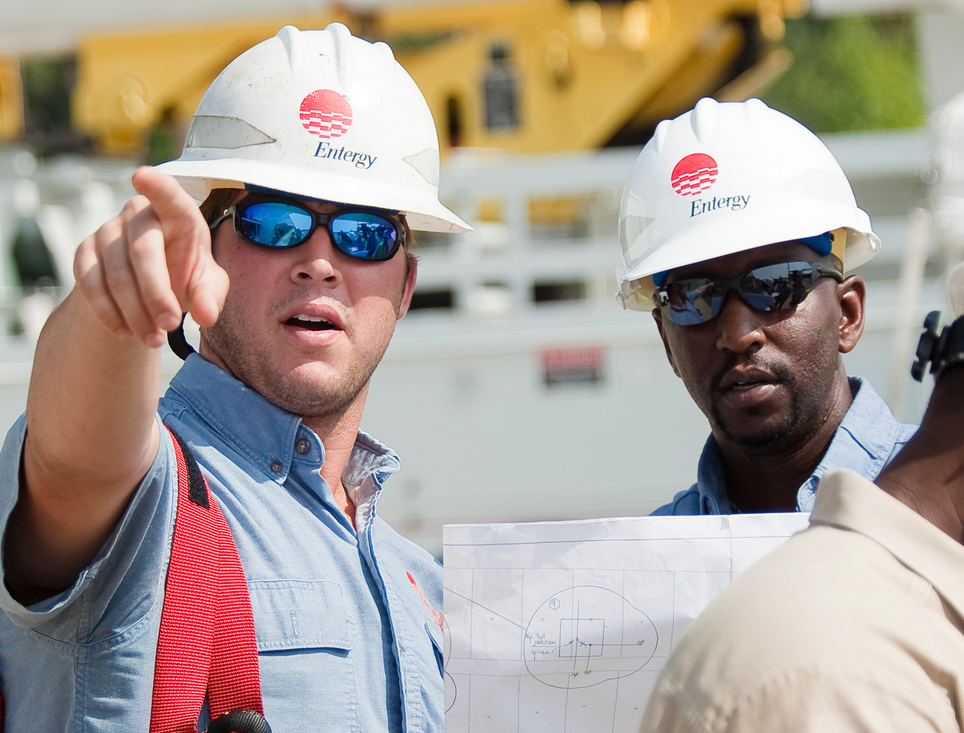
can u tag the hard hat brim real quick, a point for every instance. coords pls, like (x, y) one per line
(716, 239)
(200, 177)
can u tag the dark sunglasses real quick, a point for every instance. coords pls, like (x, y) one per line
(358, 233)
(770, 288)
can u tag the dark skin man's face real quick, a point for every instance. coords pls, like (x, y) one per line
(765, 380)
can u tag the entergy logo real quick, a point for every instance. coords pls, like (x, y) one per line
(326, 113)
(694, 174)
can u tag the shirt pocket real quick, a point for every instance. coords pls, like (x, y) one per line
(300, 614)
(304, 651)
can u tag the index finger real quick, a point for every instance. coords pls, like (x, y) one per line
(187, 238)
(175, 207)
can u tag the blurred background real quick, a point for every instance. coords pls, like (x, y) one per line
(516, 389)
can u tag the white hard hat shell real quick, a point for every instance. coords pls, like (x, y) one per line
(728, 177)
(323, 115)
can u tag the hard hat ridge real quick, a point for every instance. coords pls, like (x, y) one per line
(702, 119)
(728, 177)
(319, 114)
(291, 41)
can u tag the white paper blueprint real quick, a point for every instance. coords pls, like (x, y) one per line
(562, 627)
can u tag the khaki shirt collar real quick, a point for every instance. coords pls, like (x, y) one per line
(847, 500)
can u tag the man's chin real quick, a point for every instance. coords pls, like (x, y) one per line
(759, 436)
(759, 442)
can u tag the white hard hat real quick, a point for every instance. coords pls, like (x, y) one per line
(323, 115)
(728, 177)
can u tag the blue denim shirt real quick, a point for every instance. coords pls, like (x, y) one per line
(866, 440)
(347, 620)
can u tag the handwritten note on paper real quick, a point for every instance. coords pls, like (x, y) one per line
(564, 626)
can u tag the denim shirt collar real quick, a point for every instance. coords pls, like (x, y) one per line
(711, 480)
(863, 442)
(268, 435)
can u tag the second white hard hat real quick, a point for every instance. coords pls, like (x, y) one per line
(728, 177)
(320, 114)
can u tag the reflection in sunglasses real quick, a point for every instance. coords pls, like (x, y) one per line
(769, 288)
(358, 233)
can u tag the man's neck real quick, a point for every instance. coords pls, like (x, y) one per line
(764, 486)
(928, 473)
(338, 434)
(768, 480)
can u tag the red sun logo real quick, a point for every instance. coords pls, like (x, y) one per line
(694, 174)
(326, 114)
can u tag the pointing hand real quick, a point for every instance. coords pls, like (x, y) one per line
(152, 262)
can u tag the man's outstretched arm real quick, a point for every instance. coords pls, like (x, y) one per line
(91, 428)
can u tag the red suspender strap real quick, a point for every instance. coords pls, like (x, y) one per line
(207, 643)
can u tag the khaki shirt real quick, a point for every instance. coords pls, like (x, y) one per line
(856, 624)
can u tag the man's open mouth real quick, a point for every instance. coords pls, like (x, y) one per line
(312, 323)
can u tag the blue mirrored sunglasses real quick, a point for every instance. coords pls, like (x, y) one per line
(358, 233)
(770, 288)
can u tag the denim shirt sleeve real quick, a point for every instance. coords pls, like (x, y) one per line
(79, 653)
(149, 512)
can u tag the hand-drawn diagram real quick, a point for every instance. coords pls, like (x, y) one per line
(584, 636)
(564, 626)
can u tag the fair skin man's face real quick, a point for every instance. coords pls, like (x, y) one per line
(306, 326)
(765, 379)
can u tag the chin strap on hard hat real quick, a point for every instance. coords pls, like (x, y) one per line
(941, 351)
(178, 341)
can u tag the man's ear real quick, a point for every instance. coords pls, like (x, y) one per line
(658, 317)
(852, 297)
(409, 290)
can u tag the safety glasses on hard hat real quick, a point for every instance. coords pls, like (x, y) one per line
(359, 233)
(770, 288)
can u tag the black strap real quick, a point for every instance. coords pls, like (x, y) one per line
(178, 341)
(196, 490)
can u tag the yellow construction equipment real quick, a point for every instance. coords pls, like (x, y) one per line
(11, 98)
(519, 75)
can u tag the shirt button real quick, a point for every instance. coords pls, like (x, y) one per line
(303, 447)
(276, 466)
